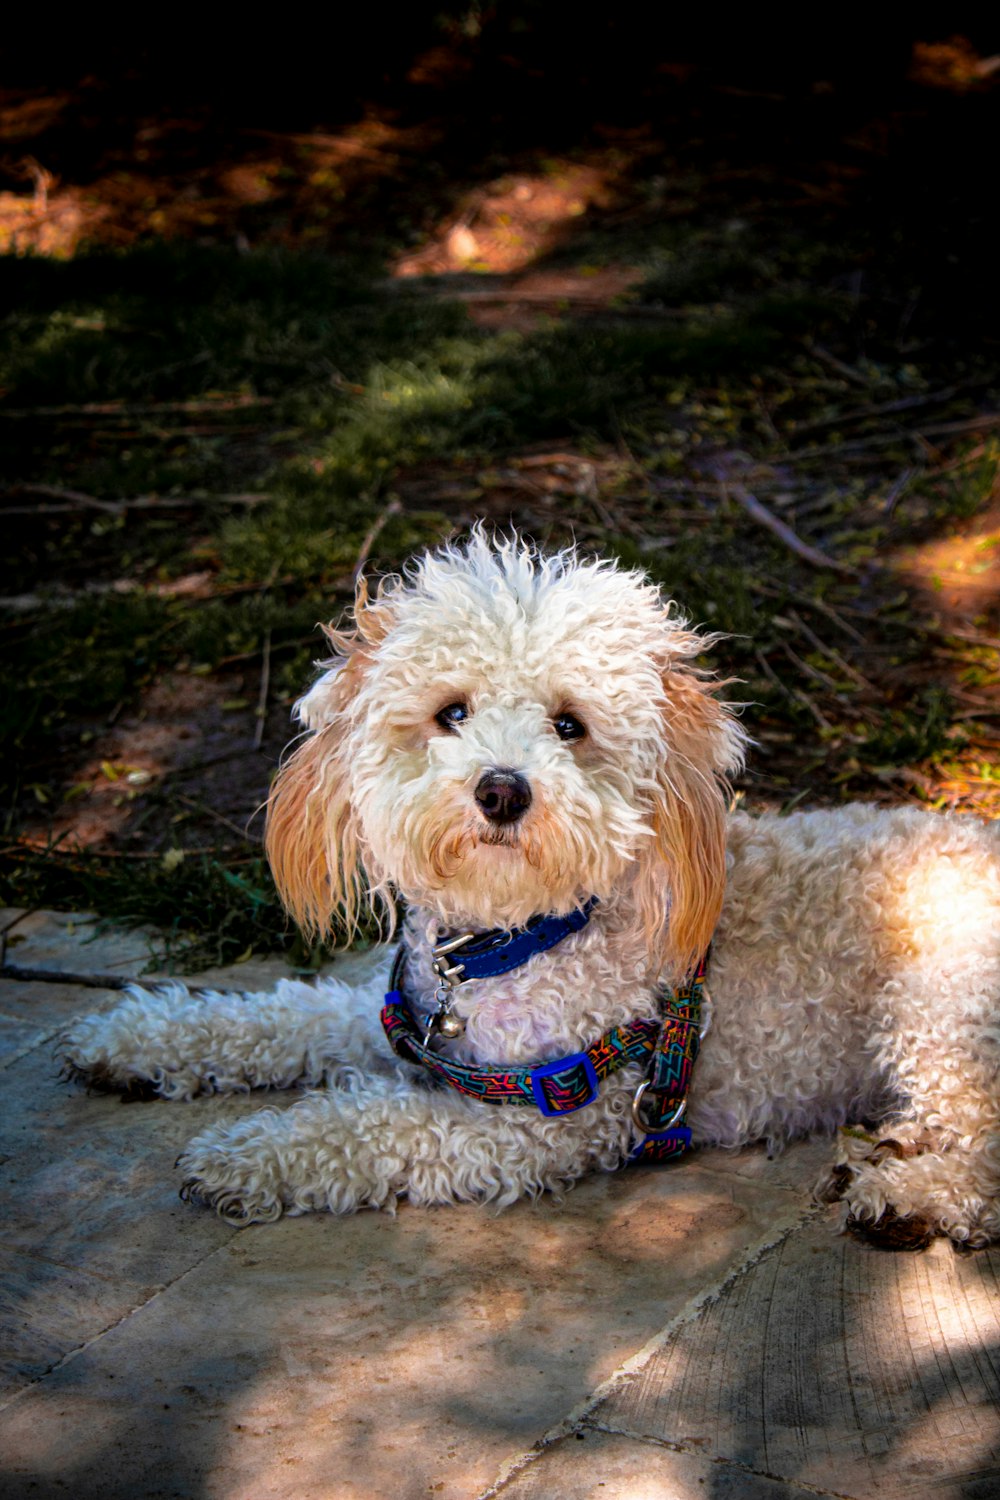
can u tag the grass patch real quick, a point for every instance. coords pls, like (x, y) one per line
(203, 913)
(267, 407)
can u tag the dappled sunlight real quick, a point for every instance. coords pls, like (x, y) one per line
(959, 573)
(122, 775)
(954, 65)
(258, 187)
(504, 225)
(948, 901)
(53, 224)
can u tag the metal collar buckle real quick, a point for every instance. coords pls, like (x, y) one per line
(449, 978)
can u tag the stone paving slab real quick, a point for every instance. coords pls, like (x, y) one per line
(827, 1366)
(696, 1330)
(375, 1356)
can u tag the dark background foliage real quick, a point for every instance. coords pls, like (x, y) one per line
(288, 301)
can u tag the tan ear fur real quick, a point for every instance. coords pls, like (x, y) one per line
(312, 835)
(682, 874)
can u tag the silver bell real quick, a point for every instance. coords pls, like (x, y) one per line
(450, 1026)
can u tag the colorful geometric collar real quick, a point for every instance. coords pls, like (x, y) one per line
(668, 1045)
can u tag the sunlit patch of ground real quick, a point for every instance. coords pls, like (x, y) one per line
(954, 64)
(123, 793)
(959, 573)
(271, 186)
(53, 223)
(507, 224)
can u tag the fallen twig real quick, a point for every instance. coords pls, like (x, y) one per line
(826, 650)
(137, 408)
(841, 367)
(823, 678)
(101, 981)
(65, 976)
(71, 500)
(393, 508)
(76, 497)
(265, 678)
(887, 439)
(209, 812)
(785, 534)
(896, 489)
(990, 641)
(883, 409)
(791, 692)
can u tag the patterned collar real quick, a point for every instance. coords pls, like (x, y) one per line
(665, 1047)
(484, 955)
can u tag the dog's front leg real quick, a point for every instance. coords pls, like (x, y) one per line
(175, 1044)
(343, 1150)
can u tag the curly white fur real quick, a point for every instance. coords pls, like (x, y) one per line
(855, 967)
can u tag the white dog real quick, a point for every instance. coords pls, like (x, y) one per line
(525, 743)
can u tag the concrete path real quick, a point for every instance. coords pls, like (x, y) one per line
(701, 1330)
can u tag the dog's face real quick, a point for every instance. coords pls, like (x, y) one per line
(502, 735)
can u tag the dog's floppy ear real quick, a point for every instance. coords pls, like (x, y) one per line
(682, 871)
(312, 835)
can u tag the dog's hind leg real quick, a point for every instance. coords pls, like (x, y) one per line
(900, 1194)
(934, 1167)
(392, 1138)
(173, 1043)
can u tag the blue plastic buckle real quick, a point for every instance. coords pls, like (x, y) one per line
(561, 1065)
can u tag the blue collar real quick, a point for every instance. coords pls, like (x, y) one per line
(484, 955)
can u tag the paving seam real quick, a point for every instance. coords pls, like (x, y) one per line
(72, 1354)
(797, 1485)
(691, 1309)
(33, 1046)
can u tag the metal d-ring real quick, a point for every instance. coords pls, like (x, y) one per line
(640, 1123)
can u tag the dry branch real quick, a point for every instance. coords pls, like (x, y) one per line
(393, 508)
(785, 534)
(265, 680)
(72, 500)
(138, 408)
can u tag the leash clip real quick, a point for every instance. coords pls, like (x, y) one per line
(441, 1022)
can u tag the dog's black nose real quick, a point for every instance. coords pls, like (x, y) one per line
(503, 796)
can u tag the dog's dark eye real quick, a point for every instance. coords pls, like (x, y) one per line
(451, 716)
(568, 727)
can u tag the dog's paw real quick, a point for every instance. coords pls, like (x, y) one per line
(867, 1193)
(892, 1231)
(900, 1194)
(303, 1159)
(143, 1048)
(238, 1180)
(90, 1052)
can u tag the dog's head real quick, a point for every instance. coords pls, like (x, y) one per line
(502, 733)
